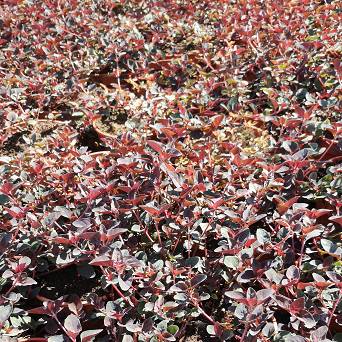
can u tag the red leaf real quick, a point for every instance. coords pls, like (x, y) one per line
(297, 306)
(318, 213)
(158, 147)
(168, 132)
(178, 271)
(249, 242)
(217, 203)
(114, 233)
(244, 162)
(62, 240)
(152, 210)
(323, 284)
(102, 260)
(337, 219)
(171, 172)
(283, 207)
(94, 193)
(136, 200)
(200, 187)
(39, 311)
(217, 120)
(16, 212)
(6, 188)
(303, 286)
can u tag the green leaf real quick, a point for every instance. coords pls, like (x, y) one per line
(231, 261)
(193, 261)
(172, 329)
(263, 236)
(4, 199)
(211, 330)
(86, 271)
(338, 337)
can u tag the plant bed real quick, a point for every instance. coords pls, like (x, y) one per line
(190, 186)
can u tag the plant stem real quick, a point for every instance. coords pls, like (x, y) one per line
(206, 315)
(334, 308)
(244, 333)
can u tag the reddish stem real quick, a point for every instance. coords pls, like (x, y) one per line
(334, 308)
(244, 334)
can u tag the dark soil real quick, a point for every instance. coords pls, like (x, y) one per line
(112, 123)
(67, 281)
(90, 138)
(13, 144)
(198, 333)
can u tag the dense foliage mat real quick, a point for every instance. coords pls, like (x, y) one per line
(170, 170)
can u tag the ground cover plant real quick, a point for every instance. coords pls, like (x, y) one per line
(170, 170)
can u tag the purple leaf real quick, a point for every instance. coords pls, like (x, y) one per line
(245, 276)
(297, 306)
(115, 232)
(293, 273)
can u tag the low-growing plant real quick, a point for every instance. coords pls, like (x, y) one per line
(170, 170)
